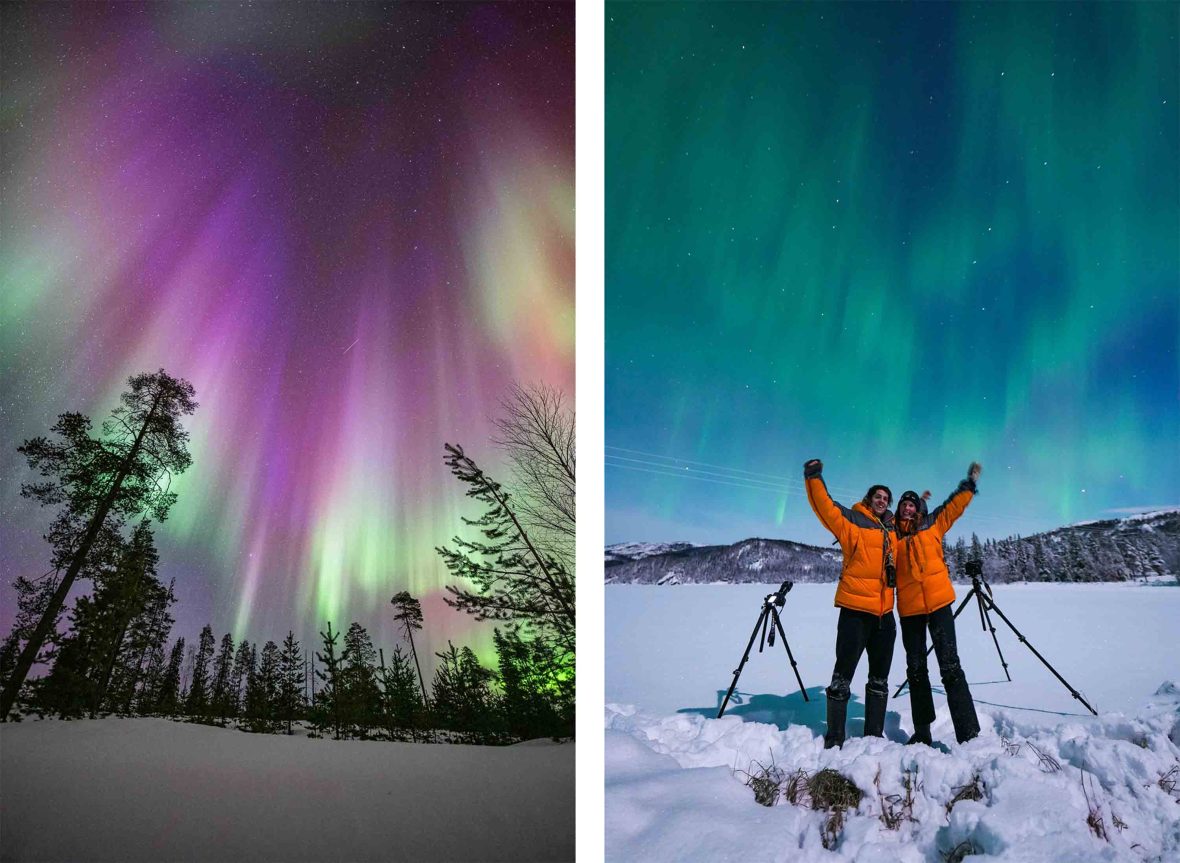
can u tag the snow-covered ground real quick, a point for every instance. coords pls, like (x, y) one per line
(674, 774)
(156, 790)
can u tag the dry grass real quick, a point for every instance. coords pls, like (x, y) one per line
(829, 789)
(1094, 818)
(973, 790)
(795, 788)
(1048, 763)
(766, 782)
(1168, 781)
(898, 808)
(834, 793)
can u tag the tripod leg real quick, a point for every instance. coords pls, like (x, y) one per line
(794, 667)
(929, 650)
(737, 672)
(992, 605)
(995, 641)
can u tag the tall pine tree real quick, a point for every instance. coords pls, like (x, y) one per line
(125, 473)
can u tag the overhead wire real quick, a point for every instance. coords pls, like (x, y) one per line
(675, 466)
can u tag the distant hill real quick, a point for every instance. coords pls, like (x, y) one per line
(749, 561)
(1123, 549)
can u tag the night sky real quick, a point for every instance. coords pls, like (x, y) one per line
(350, 226)
(896, 237)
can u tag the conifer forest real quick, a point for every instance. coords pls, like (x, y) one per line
(94, 634)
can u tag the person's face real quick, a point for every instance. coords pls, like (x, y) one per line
(879, 501)
(907, 509)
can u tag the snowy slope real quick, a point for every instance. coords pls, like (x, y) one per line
(674, 773)
(154, 790)
(623, 552)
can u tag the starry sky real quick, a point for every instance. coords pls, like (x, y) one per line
(897, 237)
(350, 226)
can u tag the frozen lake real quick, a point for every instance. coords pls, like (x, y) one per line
(671, 649)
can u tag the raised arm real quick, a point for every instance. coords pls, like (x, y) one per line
(954, 506)
(830, 513)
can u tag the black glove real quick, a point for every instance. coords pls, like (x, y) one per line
(813, 468)
(973, 472)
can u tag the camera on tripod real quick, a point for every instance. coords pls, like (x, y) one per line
(767, 625)
(780, 598)
(973, 568)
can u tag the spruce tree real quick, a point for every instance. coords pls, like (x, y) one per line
(148, 626)
(219, 697)
(197, 694)
(125, 473)
(130, 592)
(462, 697)
(252, 701)
(360, 697)
(238, 677)
(291, 679)
(161, 628)
(538, 699)
(401, 691)
(263, 698)
(327, 700)
(168, 700)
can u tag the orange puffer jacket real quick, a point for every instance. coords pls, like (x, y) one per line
(923, 582)
(865, 541)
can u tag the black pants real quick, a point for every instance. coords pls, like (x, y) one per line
(857, 631)
(913, 636)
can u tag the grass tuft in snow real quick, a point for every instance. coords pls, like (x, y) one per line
(1094, 808)
(795, 787)
(830, 789)
(766, 782)
(973, 790)
(834, 793)
(898, 808)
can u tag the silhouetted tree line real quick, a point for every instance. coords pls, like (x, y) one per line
(114, 655)
(1074, 554)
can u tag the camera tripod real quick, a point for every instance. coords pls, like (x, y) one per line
(770, 606)
(981, 591)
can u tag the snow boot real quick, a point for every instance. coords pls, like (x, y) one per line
(921, 734)
(962, 707)
(876, 696)
(837, 714)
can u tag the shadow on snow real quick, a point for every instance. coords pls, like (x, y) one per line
(785, 710)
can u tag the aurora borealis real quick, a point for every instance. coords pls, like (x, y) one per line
(350, 226)
(897, 237)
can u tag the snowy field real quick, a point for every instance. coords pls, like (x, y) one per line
(156, 790)
(674, 774)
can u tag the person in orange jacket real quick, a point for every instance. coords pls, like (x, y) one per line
(924, 597)
(864, 597)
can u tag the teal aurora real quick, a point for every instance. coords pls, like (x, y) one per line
(898, 237)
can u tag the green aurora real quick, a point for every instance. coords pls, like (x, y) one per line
(897, 237)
